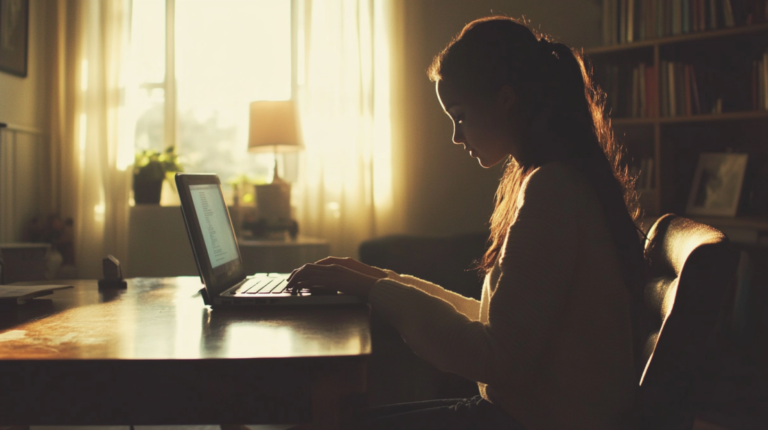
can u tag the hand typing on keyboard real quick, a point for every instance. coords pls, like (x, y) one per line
(336, 274)
(261, 286)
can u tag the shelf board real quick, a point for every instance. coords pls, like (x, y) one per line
(634, 121)
(682, 38)
(728, 116)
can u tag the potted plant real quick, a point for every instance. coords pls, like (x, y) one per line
(150, 168)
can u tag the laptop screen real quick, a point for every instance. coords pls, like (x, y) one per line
(214, 224)
(210, 231)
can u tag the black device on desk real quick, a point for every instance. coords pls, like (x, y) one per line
(214, 246)
(113, 273)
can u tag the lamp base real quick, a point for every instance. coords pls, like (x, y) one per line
(273, 201)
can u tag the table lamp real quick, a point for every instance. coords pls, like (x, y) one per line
(273, 127)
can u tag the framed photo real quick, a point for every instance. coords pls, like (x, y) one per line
(14, 32)
(717, 184)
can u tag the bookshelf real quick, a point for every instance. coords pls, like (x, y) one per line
(673, 141)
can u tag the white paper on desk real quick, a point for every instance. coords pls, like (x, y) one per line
(22, 291)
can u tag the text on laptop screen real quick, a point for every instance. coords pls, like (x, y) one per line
(214, 222)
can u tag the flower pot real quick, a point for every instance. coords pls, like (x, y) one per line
(147, 192)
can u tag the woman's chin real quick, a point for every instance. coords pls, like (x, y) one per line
(487, 164)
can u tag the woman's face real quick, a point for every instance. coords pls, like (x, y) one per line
(483, 126)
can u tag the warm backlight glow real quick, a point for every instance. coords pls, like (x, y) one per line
(232, 50)
(148, 40)
(344, 75)
(382, 153)
(227, 54)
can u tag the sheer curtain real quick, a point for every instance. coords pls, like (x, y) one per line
(344, 192)
(90, 179)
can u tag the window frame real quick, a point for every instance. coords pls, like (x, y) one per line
(170, 102)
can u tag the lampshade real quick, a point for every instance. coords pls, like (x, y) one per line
(273, 127)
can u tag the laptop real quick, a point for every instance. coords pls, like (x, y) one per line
(214, 246)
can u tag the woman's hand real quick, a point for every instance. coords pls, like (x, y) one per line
(342, 274)
(351, 263)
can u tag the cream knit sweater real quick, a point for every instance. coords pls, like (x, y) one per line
(550, 341)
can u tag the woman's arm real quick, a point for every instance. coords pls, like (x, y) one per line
(538, 260)
(466, 305)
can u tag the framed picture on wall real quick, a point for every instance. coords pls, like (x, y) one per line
(14, 36)
(717, 184)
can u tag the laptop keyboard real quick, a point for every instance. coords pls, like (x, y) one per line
(263, 286)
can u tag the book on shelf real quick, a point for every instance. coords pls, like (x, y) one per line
(643, 174)
(634, 106)
(664, 77)
(631, 92)
(681, 89)
(760, 83)
(627, 21)
(651, 92)
(672, 88)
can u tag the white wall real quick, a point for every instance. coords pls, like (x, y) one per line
(446, 191)
(25, 102)
(21, 182)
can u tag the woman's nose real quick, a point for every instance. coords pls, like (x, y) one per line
(458, 136)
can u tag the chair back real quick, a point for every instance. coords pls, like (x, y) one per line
(690, 267)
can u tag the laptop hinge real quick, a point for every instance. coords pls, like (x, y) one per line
(206, 299)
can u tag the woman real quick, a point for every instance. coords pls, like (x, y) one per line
(551, 341)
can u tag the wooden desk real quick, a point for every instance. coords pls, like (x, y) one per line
(153, 355)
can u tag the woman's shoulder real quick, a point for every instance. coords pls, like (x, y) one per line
(556, 178)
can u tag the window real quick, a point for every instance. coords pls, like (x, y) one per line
(197, 66)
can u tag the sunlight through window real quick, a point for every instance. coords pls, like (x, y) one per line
(227, 54)
(148, 73)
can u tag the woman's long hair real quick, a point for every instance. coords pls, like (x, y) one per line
(556, 88)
